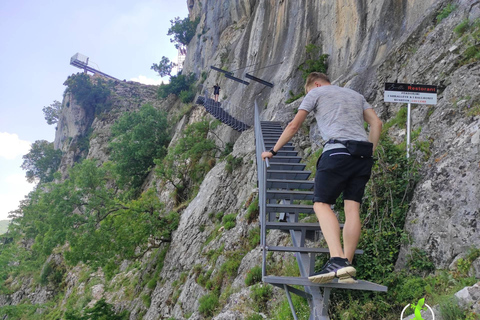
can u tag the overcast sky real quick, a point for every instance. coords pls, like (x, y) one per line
(37, 38)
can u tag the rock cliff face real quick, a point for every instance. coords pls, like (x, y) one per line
(369, 43)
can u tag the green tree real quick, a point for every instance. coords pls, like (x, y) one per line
(100, 311)
(52, 112)
(93, 97)
(42, 161)
(137, 139)
(182, 31)
(187, 163)
(164, 67)
(177, 85)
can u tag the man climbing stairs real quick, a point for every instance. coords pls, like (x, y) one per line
(283, 182)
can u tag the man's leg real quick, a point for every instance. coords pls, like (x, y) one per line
(352, 228)
(330, 228)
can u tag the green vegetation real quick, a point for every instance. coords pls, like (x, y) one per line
(260, 294)
(294, 97)
(52, 112)
(462, 27)
(138, 138)
(182, 31)
(208, 304)
(187, 163)
(164, 67)
(229, 221)
(180, 85)
(99, 231)
(470, 33)
(100, 311)
(92, 97)
(465, 264)
(232, 163)
(254, 276)
(446, 12)
(315, 61)
(41, 162)
(253, 211)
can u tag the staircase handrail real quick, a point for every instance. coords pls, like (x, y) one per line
(262, 184)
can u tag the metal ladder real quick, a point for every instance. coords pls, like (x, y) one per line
(283, 181)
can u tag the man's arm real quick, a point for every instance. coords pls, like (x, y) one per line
(288, 133)
(375, 126)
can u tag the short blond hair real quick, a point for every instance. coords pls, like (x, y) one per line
(314, 76)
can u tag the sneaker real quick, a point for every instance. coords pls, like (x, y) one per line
(335, 267)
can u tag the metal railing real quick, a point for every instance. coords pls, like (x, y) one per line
(262, 184)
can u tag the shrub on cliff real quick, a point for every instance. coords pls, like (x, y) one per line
(178, 85)
(182, 31)
(137, 139)
(93, 97)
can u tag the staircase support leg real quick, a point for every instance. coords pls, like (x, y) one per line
(289, 298)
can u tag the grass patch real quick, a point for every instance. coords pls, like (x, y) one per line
(446, 12)
(254, 276)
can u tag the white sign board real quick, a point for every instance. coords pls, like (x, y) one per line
(410, 93)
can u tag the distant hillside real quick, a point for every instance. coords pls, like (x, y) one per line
(4, 226)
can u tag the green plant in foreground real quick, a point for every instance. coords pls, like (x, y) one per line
(208, 304)
(254, 276)
(260, 294)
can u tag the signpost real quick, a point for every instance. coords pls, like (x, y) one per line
(410, 93)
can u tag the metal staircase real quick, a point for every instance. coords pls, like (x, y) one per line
(282, 182)
(216, 110)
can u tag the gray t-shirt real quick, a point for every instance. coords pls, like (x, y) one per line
(339, 113)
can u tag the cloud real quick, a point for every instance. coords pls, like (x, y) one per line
(145, 80)
(18, 188)
(11, 146)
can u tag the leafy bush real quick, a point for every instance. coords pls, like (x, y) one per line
(100, 311)
(446, 12)
(229, 221)
(178, 84)
(138, 138)
(93, 97)
(232, 163)
(254, 276)
(253, 238)
(41, 162)
(260, 294)
(182, 31)
(208, 304)
(253, 211)
(187, 96)
(52, 112)
(315, 62)
(418, 261)
(187, 163)
(462, 27)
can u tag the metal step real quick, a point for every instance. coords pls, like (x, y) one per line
(287, 166)
(289, 208)
(290, 184)
(298, 226)
(287, 153)
(301, 281)
(289, 195)
(288, 159)
(288, 175)
(303, 250)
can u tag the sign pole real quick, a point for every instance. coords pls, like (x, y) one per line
(408, 128)
(410, 93)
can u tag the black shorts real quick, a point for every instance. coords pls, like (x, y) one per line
(337, 172)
